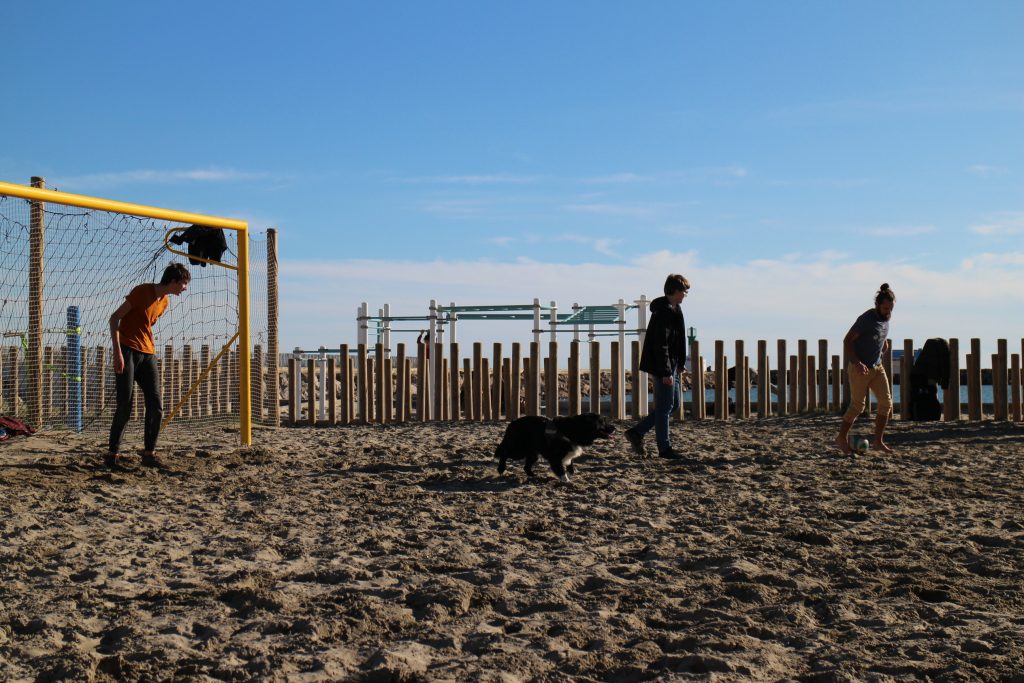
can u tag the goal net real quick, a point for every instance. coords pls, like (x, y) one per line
(65, 268)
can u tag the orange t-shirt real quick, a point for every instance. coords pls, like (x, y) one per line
(136, 329)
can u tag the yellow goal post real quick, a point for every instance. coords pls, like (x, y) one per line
(31, 340)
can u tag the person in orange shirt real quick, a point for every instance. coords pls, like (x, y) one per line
(131, 331)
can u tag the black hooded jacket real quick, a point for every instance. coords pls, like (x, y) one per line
(208, 243)
(664, 349)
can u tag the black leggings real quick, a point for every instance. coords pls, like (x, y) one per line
(138, 367)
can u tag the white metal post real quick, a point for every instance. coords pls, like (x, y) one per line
(362, 313)
(621, 306)
(554, 322)
(386, 332)
(452, 318)
(432, 330)
(536, 321)
(641, 333)
(575, 322)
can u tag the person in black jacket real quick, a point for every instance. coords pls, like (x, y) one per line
(663, 356)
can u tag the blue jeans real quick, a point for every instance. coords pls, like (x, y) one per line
(666, 398)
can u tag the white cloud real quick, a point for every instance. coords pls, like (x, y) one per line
(837, 183)
(982, 261)
(692, 175)
(610, 209)
(156, 177)
(483, 179)
(901, 230)
(985, 170)
(457, 207)
(1000, 224)
(808, 297)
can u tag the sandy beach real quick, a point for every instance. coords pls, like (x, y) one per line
(397, 553)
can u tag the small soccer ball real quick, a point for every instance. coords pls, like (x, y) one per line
(861, 445)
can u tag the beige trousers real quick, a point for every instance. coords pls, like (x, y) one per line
(877, 381)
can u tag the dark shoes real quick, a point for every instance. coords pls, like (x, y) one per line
(114, 462)
(636, 441)
(670, 454)
(150, 460)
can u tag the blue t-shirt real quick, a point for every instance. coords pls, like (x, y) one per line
(873, 331)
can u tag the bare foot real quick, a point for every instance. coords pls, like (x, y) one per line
(881, 446)
(844, 446)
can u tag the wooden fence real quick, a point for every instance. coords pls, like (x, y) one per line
(217, 395)
(365, 385)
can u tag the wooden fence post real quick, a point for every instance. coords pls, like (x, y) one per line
(837, 384)
(552, 380)
(801, 389)
(514, 389)
(812, 398)
(437, 355)
(574, 378)
(311, 390)
(468, 393)
(485, 389)
(595, 377)
(639, 393)
(823, 375)
(764, 384)
(794, 381)
(999, 382)
(616, 404)
(497, 390)
(696, 383)
(293, 378)
(781, 381)
(951, 392)
(477, 384)
(1015, 388)
(401, 385)
(506, 385)
(741, 381)
(422, 382)
(407, 404)
(454, 361)
(332, 397)
(974, 402)
(533, 381)
(721, 386)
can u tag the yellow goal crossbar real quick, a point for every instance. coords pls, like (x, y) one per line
(242, 227)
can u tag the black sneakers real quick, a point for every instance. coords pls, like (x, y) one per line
(150, 460)
(670, 454)
(635, 441)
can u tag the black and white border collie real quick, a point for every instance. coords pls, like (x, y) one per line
(560, 441)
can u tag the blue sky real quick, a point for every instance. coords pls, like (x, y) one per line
(786, 157)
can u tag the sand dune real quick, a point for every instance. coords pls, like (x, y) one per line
(398, 554)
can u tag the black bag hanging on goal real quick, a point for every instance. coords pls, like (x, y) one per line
(207, 243)
(931, 370)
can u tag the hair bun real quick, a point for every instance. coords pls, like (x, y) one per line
(885, 286)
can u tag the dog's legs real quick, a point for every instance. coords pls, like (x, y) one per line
(566, 463)
(531, 460)
(501, 464)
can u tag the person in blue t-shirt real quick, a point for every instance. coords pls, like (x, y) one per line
(865, 344)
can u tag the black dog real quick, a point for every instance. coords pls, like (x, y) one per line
(559, 440)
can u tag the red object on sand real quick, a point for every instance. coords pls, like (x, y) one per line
(14, 427)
